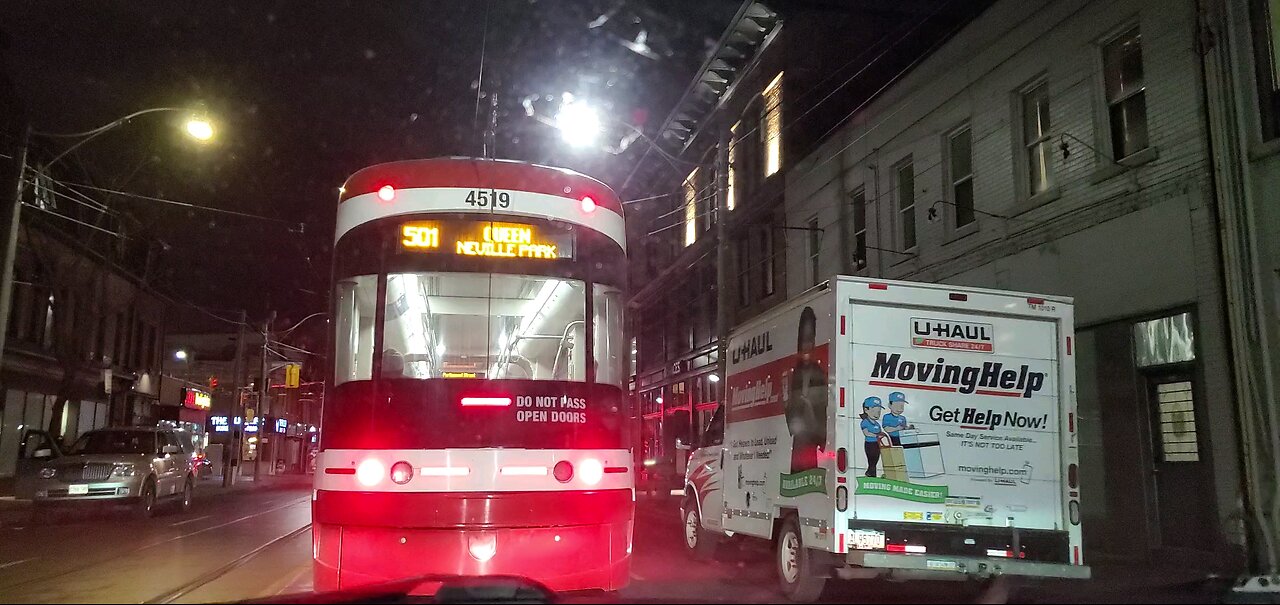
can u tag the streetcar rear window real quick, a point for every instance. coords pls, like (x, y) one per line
(443, 325)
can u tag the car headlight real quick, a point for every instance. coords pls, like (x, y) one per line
(124, 470)
(48, 472)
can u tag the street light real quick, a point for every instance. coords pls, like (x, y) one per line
(200, 129)
(578, 122)
(180, 354)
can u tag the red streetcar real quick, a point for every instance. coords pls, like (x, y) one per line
(474, 424)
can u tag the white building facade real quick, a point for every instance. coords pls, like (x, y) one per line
(1062, 147)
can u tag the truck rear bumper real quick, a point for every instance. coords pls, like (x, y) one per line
(944, 566)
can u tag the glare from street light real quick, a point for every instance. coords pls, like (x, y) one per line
(713, 378)
(200, 129)
(180, 355)
(578, 122)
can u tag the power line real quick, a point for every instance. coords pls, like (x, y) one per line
(185, 204)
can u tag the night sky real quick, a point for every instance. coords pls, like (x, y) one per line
(302, 97)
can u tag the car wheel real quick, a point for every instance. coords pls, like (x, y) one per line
(188, 491)
(797, 573)
(146, 506)
(699, 543)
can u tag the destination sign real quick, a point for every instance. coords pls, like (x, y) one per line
(486, 238)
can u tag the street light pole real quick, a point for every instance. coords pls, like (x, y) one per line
(263, 392)
(10, 214)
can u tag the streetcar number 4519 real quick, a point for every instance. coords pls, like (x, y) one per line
(482, 198)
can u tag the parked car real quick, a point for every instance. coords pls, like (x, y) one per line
(137, 466)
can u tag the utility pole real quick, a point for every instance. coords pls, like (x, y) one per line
(237, 409)
(722, 259)
(10, 214)
(263, 393)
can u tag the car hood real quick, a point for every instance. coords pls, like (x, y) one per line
(77, 460)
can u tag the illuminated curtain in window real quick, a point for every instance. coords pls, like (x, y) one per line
(772, 126)
(691, 208)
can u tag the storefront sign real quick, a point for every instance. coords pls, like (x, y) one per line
(219, 424)
(196, 399)
(282, 425)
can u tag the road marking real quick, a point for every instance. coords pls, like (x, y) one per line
(637, 577)
(189, 521)
(18, 562)
(302, 571)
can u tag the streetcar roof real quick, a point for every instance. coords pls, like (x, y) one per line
(444, 185)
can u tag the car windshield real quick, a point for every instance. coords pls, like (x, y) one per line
(115, 442)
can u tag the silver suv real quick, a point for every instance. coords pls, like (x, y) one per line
(139, 466)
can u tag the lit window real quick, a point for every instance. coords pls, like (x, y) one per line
(1035, 138)
(691, 209)
(771, 126)
(1175, 407)
(860, 228)
(906, 189)
(1126, 93)
(729, 197)
(960, 150)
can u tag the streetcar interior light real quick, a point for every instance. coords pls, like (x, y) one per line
(563, 471)
(588, 204)
(370, 472)
(496, 402)
(387, 193)
(591, 471)
(401, 472)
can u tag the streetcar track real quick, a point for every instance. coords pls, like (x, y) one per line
(18, 562)
(224, 569)
(189, 521)
(128, 553)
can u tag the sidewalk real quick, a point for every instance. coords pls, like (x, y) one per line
(18, 512)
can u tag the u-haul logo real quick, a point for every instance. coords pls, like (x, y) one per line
(952, 335)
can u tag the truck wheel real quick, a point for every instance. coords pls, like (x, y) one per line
(146, 506)
(699, 543)
(797, 573)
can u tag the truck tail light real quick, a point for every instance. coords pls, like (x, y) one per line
(1073, 509)
(842, 460)
(1073, 475)
(370, 472)
(956, 296)
(842, 498)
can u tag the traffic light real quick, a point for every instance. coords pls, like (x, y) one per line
(213, 382)
(292, 375)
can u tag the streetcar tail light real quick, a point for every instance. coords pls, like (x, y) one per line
(563, 471)
(492, 402)
(387, 193)
(591, 471)
(588, 204)
(370, 472)
(401, 472)
(482, 548)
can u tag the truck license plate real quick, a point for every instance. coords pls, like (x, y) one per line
(865, 539)
(78, 490)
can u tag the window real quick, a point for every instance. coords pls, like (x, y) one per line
(771, 125)
(1164, 341)
(730, 198)
(906, 191)
(1176, 417)
(353, 340)
(815, 250)
(607, 307)
(1035, 138)
(859, 228)
(1266, 52)
(744, 272)
(960, 152)
(767, 250)
(691, 208)
(1126, 93)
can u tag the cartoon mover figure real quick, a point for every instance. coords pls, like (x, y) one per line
(806, 409)
(895, 422)
(878, 443)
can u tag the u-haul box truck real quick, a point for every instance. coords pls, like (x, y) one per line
(874, 427)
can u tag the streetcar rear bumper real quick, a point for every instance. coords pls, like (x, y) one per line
(564, 540)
